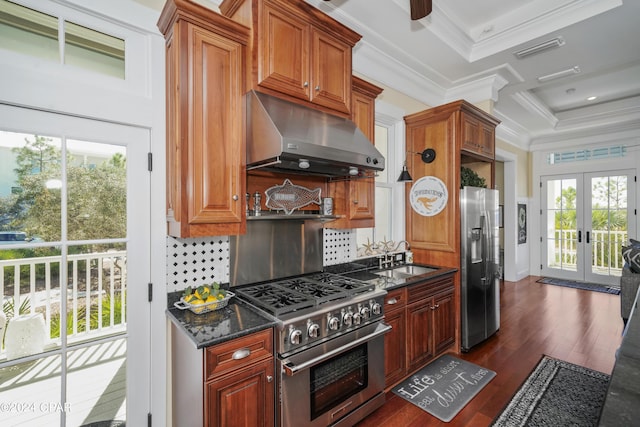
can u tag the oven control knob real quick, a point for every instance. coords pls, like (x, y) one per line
(313, 330)
(295, 336)
(357, 318)
(365, 312)
(334, 323)
(376, 308)
(347, 318)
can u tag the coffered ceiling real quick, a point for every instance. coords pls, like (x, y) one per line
(466, 49)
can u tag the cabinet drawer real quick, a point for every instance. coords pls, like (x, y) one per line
(428, 289)
(238, 353)
(396, 298)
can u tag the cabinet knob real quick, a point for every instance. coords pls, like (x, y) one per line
(355, 202)
(318, 88)
(269, 378)
(235, 197)
(305, 84)
(392, 301)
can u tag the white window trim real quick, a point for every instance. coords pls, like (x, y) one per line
(392, 118)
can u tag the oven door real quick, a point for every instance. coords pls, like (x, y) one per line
(322, 385)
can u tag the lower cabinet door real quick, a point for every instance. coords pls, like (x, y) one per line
(419, 322)
(394, 347)
(444, 327)
(243, 399)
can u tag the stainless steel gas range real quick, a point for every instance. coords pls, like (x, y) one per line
(330, 347)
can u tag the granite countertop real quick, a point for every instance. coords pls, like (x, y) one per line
(622, 404)
(240, 318)
(235, 320)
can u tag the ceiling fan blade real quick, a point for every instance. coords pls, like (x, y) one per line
(420, 9)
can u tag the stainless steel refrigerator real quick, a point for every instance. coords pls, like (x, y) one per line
(480, 285)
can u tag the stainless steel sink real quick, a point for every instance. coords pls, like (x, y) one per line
(393, 274)
(413, 270)
(405, 272)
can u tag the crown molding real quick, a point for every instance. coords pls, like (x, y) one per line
(374, 63)
(533, 105)
(477, 90)
(521, 25)
(614, 133)
(625, 110)
(511, 132)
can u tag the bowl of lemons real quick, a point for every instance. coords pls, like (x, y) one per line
(204, 298)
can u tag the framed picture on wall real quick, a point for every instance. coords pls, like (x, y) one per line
(522, 223)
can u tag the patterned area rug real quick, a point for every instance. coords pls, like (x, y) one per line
(581, 285)
(557, 393)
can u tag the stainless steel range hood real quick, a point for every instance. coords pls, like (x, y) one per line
(288, 137)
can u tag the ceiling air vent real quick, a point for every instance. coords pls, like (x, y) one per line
(549, 44)
(559, 74)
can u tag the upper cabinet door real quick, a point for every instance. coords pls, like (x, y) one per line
(217, 150)
(331, 76)
(284, 53)
(205, 68)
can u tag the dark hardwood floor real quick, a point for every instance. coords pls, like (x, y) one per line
(581, 327)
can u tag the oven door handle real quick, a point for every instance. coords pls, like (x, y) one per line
(291, 369)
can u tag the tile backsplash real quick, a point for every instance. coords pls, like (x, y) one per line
(195, 261)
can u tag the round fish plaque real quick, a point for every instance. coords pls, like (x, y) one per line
(428, 196)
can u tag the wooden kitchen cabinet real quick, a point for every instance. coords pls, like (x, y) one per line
(299, 52)
(229, 384)
(239, 388)
(244, 399)
(423, 320)
(478, 136)
(205, 69)
(395, 367)
(430, 321)
(354, 199)
(462, 135)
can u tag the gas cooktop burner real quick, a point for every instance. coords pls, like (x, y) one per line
(355, 286)
(276, 299)
(289, 295)
(320, 293)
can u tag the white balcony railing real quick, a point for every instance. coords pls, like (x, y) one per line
(606, 249)
(95, 294)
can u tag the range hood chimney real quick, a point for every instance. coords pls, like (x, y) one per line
(288, 137)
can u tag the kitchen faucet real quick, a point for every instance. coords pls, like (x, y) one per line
(386, 260)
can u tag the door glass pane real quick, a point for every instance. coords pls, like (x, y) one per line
(562, 236)
(30, 182)
(97, 191)
(608, 224)
(96, 378)
(63, 295)
(32, 391)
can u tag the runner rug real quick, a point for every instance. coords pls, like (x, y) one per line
(557, 393)
(444, 386)
(581, 285)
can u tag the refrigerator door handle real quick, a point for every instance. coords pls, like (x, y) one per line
(483, 234)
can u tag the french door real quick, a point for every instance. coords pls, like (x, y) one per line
(586, 219)
(74, 266)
